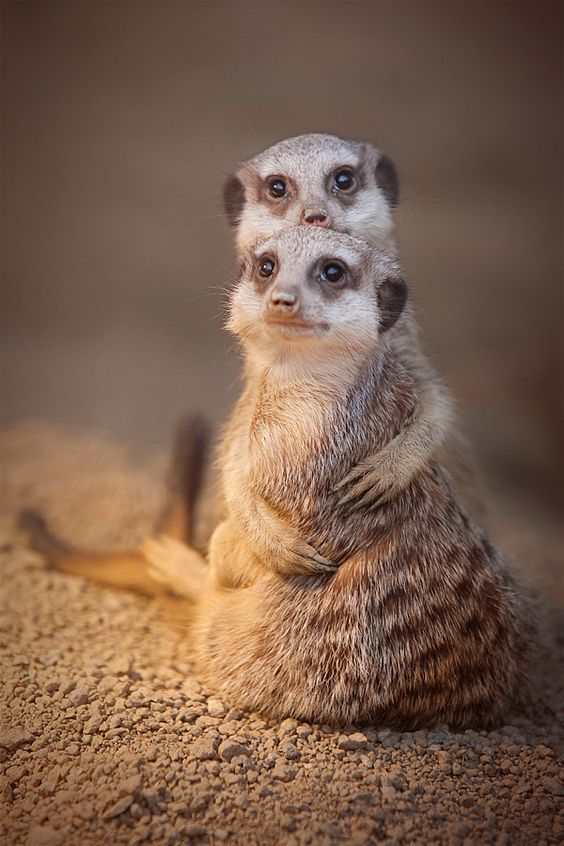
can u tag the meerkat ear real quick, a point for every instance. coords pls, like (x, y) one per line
(387, 179)
(391, 296)
(233, 199)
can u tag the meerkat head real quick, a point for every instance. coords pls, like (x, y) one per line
(311, 295)
(314, 180)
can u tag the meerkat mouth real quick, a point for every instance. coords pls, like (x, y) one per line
(295, 327)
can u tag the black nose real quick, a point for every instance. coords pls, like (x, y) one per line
(283, 301)
(315, 217)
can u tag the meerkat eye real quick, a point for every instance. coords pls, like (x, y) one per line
(277, 187)
(344, 179)
(333, 272)
(267, 266)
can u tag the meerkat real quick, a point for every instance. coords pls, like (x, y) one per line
(329, 182)
(409, 616)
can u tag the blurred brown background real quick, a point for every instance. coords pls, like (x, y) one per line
(121, 120)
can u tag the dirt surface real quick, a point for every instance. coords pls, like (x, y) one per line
(107, 737)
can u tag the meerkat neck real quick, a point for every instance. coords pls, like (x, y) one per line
(291, 369)
(333, 409)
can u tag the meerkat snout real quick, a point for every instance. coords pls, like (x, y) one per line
(316, 217)
(283, 302)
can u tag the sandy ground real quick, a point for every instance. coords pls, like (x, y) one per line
(108, 738)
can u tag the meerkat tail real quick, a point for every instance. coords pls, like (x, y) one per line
(185, 477)
(121, 569)
(135, 569)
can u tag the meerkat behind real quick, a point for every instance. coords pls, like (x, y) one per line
(324, 181)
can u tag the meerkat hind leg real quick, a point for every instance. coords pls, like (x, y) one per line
(178, 568)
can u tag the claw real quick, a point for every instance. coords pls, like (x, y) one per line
(324, 562)
(367, 500)
(363, 488)
(351, 476)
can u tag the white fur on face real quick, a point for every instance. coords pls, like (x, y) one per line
(346, 326)
(308, 162)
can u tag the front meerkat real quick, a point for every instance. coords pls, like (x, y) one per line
(324, 181)
(404, 614)
(412, 616)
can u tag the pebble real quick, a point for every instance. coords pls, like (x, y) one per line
(216, 708)
(118, 807)
(203, 749)
(14, 738)
(131, 785)
(6, 792)
(229, 749)
(352, 742)
(282, 772)
(44, 836)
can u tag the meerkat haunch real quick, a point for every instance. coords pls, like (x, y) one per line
(325, 181)
(420, 620)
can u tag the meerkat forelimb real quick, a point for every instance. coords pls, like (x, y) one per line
(382, 476)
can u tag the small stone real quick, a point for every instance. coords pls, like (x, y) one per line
(120, 666)
(228, 749)
(43, 836)
(118, 807)
(304, 732)
(6, 792)
(216, 708)
(287, 727)
(93, 724)
(290, 751)
(193, 830)
(203, 749)
(352, 742)
(79, 697)
(13, 738)
(283, 772)
(131, 786)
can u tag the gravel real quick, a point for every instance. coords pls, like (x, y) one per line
(106, 737)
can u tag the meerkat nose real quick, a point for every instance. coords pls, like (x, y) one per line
(315, 217)
(284, 302)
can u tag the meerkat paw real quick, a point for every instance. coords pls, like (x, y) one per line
(175, 566)
(303, 558)
(375, 480)
(286, 549)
